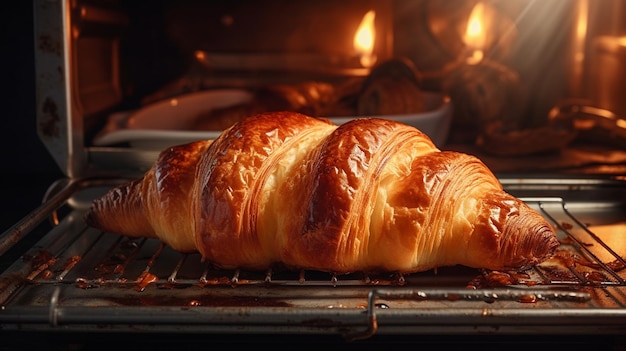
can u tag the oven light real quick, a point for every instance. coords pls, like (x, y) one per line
(475, 35)
(364, 39)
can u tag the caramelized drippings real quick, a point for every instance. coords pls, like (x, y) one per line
(40, 258)
(144, 280)
(495, 279)
(530, 298)
(71, 262)
(595, 278)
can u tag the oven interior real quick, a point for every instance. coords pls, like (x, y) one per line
(534, 69)
(533, 79)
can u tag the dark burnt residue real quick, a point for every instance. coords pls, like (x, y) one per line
(115, 264)
(50, 121)
(46, 274)
(595, 278)
(49, 45)
(174, 285)
(39, 258)
(71, 262)
(145, 279)
(530, 298)
(555, 274)
(572, 260)
(565, 267)
(83, 283)
(496, 279)
(616, 265)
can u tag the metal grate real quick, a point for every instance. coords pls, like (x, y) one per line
(92, 258)
(78, 276)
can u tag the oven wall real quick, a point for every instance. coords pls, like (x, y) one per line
(147, 48)
(535, 40)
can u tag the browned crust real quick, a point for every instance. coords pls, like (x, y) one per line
(369, 195)
(231, 176)
(341, 183)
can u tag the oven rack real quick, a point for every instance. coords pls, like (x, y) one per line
(77, 277)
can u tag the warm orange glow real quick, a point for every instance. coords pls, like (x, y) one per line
(200, 55)
(578, 47)
(611, 234)
(474, 28)
(364, 39)
(475, 34)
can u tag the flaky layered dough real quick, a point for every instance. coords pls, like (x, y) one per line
(370, 195)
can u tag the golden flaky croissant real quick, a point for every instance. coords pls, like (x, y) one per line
(370, 195)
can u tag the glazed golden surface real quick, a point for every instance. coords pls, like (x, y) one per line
(369, 195)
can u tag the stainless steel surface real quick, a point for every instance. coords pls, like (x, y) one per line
(77, 278)
(59, 119)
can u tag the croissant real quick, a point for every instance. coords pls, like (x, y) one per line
(285, 189)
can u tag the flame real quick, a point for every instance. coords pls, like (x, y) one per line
(475, 34)
(364, 39)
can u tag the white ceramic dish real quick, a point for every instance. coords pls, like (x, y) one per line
(434, 122)
(168, 122)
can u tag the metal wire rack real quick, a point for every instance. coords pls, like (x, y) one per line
(77, 277)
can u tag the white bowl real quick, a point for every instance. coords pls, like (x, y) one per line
(169, 122)
(434, 122)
